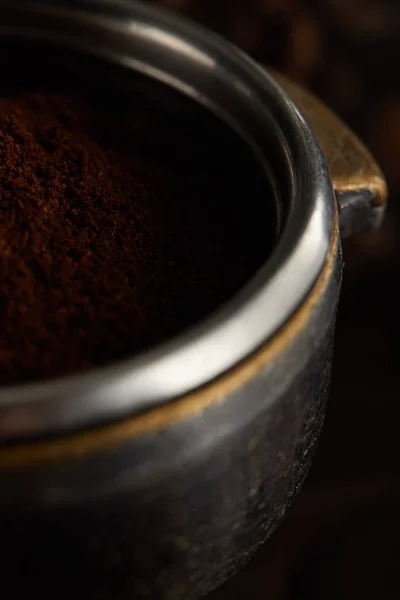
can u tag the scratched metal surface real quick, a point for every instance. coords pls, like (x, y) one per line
(346, 515)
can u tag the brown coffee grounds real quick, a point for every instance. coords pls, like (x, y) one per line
(113, 234)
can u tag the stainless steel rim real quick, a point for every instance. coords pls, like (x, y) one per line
(206, 67)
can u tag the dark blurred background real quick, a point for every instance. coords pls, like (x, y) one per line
(341, 539)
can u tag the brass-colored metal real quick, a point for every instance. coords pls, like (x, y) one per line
(352, 166)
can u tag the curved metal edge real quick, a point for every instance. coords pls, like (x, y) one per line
(358, 212)
(359, 183)
(192, 502)
(237, 330)
(191, 405)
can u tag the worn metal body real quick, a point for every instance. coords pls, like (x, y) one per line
(170, 505)
(158, 477)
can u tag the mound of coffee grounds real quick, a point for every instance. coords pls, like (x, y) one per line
(113, 234)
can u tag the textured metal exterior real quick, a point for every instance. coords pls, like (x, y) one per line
(172, 513)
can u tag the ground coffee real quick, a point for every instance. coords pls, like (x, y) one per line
(113, 235)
